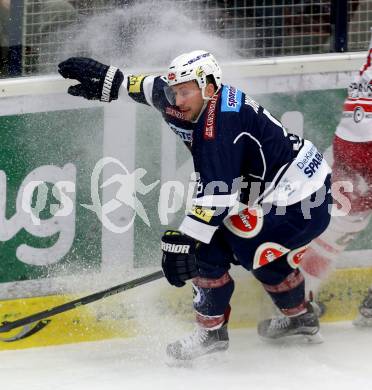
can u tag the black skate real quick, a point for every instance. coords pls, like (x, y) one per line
(304, 326)
(364, 317)
(201, 342)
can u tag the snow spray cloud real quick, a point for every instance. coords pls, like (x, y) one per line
(147, 34)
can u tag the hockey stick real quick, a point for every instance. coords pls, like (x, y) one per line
(30, 326)
(26, 331)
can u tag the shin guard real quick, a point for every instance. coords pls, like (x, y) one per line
(289, 295)
(211, 300)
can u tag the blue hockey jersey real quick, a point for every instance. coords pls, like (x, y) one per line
(241, 153)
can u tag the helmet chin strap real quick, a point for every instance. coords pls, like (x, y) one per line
(207, 98)
(206, 101)
(202, 110)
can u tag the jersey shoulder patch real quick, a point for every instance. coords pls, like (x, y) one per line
(231, 99)
(135, 88)
(135, 83)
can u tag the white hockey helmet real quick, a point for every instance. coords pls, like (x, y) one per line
(195, 65)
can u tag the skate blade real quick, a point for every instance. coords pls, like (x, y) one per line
(214, 355)
(208, 360)
(177, 363)
(317, 338)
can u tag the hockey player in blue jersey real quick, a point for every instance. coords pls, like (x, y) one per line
(263, 194)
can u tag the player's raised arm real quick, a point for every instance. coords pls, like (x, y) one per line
(102, 82)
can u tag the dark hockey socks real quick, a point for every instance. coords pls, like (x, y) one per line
(211, 300)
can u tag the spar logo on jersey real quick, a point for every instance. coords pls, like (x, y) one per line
(231, 99)
(184, 134)
(311, 161)
(358, 114)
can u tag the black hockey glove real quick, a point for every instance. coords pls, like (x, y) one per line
(179, 257)
(97, 81)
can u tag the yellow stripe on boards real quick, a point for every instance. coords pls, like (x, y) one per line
(85, 323)
(343, 293)
(118, 316)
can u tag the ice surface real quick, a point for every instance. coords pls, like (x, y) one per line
(343, 361)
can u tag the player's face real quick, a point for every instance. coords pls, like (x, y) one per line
(188, 99)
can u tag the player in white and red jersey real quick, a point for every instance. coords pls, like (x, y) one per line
(352, 152)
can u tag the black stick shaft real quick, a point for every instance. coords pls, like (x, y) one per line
(9, 325)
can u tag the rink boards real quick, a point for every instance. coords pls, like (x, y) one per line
(134, 312)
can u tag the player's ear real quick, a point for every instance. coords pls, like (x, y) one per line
(210, 90)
